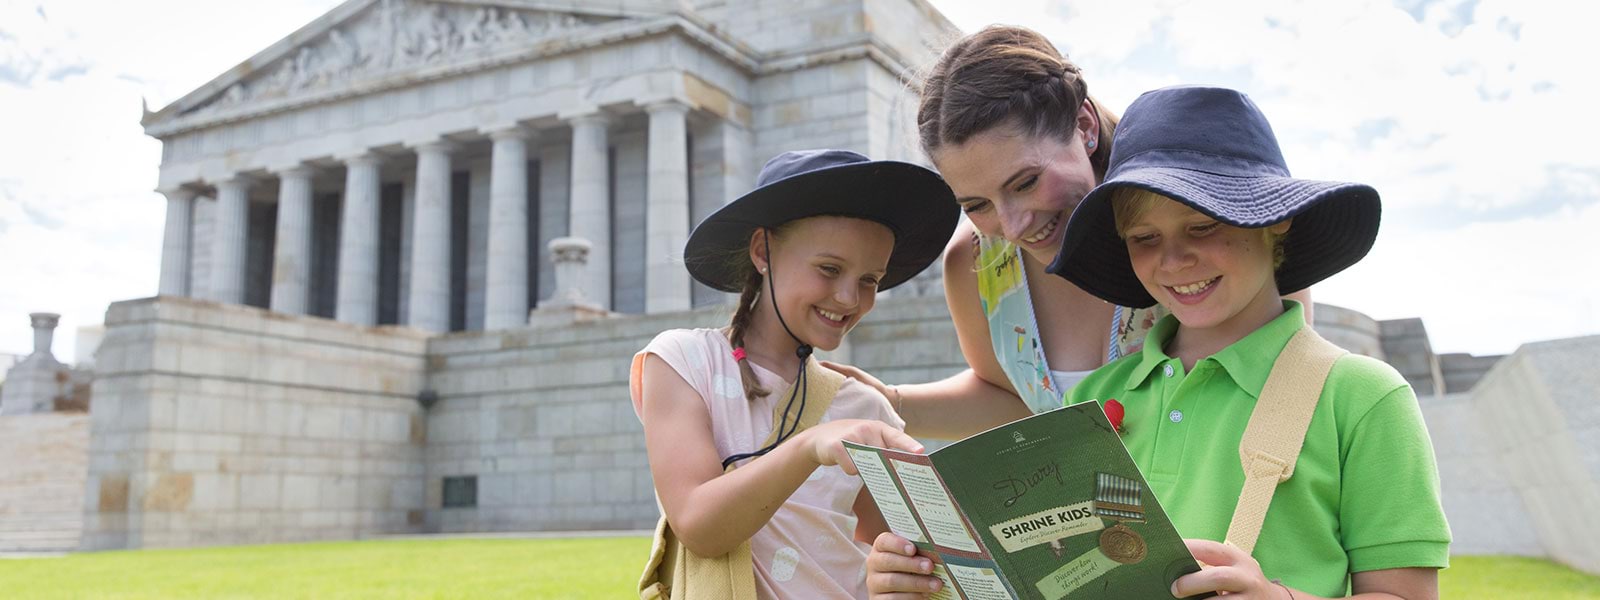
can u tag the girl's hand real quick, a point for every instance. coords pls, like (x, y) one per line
(1226, 569)
(862, 376)
(895, 572)
(823, 442)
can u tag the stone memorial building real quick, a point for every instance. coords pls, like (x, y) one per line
(411, 247)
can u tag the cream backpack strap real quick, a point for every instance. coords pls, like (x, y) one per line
(822, 384)
(1277, 429)
(672, 572)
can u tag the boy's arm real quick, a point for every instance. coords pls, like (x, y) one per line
(1229, 569)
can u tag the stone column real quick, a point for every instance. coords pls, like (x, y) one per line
(44, 332)
(506, 281)
(358, 243)
(33, 385)
(590, 217)
(408, 211)
(230, 234)
(177, 242)
(667, 216)
(291, 262)
(430, 239)
(569, 255)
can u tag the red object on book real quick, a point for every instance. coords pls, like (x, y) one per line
(1114, 412)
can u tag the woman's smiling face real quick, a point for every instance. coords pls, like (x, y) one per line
(1021, 187)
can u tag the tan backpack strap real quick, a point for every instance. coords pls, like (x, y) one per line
(1277, 429)
(822, 384)
(674, 573)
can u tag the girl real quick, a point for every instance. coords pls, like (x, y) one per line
(807, 251)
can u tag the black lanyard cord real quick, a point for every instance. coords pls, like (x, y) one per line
(785, 430)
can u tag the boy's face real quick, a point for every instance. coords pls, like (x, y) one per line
(1212, 276)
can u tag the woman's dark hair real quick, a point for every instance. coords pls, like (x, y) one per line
(1007, 75)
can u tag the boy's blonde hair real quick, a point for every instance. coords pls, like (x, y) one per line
(1128, 204)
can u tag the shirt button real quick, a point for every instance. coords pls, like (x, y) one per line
(1176, 416)
(1166, 370)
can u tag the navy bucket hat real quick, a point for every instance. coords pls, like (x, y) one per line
(1212, 150)
(912, 201)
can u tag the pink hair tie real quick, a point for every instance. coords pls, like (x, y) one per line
(738, 354)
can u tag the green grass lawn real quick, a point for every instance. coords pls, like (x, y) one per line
(513, 568)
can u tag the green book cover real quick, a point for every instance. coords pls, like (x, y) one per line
(1046, 508)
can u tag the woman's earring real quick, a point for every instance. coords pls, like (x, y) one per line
(763, 270)
(1091, 144)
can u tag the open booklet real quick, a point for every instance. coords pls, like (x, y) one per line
(1048, 507)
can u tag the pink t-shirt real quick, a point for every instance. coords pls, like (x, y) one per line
(808, 549)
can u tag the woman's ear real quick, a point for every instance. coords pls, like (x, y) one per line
(1088, 124)
(758, 249)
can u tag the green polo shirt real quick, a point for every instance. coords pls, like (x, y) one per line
(1365, 491)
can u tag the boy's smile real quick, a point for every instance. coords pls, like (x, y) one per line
(1215, 278)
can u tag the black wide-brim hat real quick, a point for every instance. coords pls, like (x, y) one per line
(912, 201)
(1213, 150)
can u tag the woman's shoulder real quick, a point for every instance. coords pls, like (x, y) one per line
(961, 253)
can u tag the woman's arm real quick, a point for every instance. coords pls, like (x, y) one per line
(980, 397)
(712, 512)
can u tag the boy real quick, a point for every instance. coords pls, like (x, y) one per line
(1198, 213)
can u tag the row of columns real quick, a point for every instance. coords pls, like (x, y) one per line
(506, 301)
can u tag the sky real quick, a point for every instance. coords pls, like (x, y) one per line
(1470, 117)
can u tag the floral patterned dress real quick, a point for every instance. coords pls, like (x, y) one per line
(1014, 331)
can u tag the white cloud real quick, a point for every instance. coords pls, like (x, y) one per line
(1472, 121)
(79, 224)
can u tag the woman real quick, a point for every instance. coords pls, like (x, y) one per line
(1010, 125)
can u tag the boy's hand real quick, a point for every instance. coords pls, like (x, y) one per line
(823, 442)
(1226, 569)
(895, 572)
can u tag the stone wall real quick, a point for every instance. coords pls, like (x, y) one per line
(1406, 348)
(1349, 329)
(41, 484)
(1541, 419)
(1486, 513)
(217, 424)
(542, 419)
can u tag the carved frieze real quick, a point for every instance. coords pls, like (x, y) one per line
(392, 37)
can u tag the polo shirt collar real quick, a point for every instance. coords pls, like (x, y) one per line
(1153, 355)
(1248, 361)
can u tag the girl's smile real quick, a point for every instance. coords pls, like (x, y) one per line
(824, 272)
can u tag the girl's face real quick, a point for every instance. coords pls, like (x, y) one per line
(1022, 187)
(1212, 276)
(827, 271)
